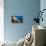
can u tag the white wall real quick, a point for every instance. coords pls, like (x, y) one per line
(1, 20)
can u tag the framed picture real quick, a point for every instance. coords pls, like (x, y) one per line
(17, 19)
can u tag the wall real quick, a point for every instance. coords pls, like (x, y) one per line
(43, 6)
(25, 8)
(1, 21)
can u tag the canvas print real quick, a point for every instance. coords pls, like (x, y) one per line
(17, 19)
